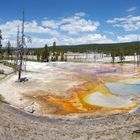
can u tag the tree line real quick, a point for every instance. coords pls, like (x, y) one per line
(44, 53)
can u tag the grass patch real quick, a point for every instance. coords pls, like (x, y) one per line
(1, 71)
(2, 100)
(8, 64)
(125, 62)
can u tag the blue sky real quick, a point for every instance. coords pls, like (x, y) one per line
(71, 21)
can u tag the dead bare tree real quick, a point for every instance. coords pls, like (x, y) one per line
(0, 42)
(17, 52)
(138, 53)
(20, 51)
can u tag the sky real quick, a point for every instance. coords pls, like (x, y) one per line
(70, 22)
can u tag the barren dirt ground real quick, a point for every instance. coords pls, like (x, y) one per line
(61, 97)
(18, 125)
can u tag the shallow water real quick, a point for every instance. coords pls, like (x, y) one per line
(125, 89)
(111, 101)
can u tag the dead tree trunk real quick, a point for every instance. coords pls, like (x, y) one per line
(21, 50)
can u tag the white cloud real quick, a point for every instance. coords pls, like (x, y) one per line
(87, 39)
(33, 27)
(78, 23)
(109, 32)
(131, 9)
(67, 40)
(128, 38)
(73, 25)
(50, 24)
(40, 42)
(76, 29)
(81, 14)
(129, 23)
(9, 29)
(5, 41)
(115, 20)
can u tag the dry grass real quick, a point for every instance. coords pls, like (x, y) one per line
(2, 100)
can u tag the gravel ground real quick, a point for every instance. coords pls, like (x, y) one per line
(18, 125)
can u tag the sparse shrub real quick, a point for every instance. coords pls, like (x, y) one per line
(1, 71)
(2, 100)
